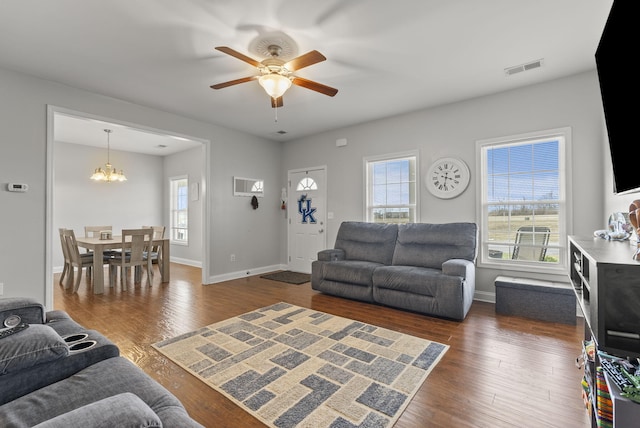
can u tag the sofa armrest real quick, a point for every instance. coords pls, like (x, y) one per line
(29, 310)
(35, 345)
(459, 267)
(122, 410)
(331, 255)
(56, 315)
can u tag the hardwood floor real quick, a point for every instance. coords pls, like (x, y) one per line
(500, 371)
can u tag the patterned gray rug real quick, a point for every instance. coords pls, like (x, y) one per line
(292, 367)
(289, 277)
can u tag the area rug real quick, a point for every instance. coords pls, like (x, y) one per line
(295, 367)
(288, 277)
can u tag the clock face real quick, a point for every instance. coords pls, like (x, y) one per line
(447, 178)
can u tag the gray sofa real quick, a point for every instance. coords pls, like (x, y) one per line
(55, 373)
(421, 267)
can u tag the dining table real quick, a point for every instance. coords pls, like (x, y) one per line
(99, 246)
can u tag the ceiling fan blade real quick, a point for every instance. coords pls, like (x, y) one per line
(233, 82)
(305, 60)
(277, 102)
(236, 54)
(314, 86)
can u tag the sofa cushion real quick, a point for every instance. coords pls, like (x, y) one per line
(430, 245)
(372, 242)
(415, 280)
(17, 384)
(37, 344)
(351, 272)
(96, 382)
(123, 411)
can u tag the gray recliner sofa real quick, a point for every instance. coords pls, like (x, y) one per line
(421, 267)
(56, 373)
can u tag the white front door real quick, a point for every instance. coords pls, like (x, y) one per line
(307, 217)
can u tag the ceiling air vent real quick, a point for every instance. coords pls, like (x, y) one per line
(523, 67)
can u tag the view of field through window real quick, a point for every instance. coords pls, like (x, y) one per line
(523, 201)
(392, 190)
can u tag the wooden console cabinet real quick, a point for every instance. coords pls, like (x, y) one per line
(606, 281)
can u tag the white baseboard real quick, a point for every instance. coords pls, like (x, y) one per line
(485, 296)
(245, 273)
(194, 263)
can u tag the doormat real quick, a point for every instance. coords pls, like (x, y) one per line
(288, 277)
(290, 366)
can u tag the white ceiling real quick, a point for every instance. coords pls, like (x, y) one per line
(386, 58)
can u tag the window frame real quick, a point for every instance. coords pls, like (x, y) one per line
(367, 161)
(172, 209)
(564, 200)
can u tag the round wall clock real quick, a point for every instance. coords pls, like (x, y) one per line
(447, 177)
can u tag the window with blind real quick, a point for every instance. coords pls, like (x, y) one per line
(524, 207)
(391, 190)
(179, 206)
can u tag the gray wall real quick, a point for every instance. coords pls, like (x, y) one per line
(187, 163)
(452, 130)
(255, 235)
(23, 158)
(78, 201)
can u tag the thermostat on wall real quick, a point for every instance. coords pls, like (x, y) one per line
(17, 187)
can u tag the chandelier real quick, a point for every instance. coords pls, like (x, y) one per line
(109, 173)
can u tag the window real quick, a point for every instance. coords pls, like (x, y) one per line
(179, 210)
(524, 205)
(391, 193)
(307, 183)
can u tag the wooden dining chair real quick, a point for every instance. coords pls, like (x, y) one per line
(156, 250)
(94, 232)
(137, 242)
(77, 260)
(65, 255)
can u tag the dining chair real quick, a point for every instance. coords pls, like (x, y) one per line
(156, 250)
(137, 242)
(94, 232)
(76, 259)
(65, 255)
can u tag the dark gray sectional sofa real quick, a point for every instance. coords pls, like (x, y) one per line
(55, 373)
(421, 267)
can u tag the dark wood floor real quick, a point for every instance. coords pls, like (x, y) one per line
(500, 371)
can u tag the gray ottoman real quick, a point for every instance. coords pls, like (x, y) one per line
(536, 299)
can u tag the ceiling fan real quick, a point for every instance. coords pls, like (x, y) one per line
(277, 75)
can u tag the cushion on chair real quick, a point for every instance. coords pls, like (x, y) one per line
(430, 245)
(35, 345)
(416, 280)
(350, 272)
(372, 242)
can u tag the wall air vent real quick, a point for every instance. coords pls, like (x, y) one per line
(523, 67)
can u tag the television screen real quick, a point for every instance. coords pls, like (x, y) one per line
(618, 83)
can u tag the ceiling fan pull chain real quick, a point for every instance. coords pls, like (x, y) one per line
(276, 109)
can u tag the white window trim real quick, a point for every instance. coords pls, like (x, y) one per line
(171, 240)
(389, 157)
(565, 200)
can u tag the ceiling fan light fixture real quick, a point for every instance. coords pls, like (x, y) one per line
(274, 84)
